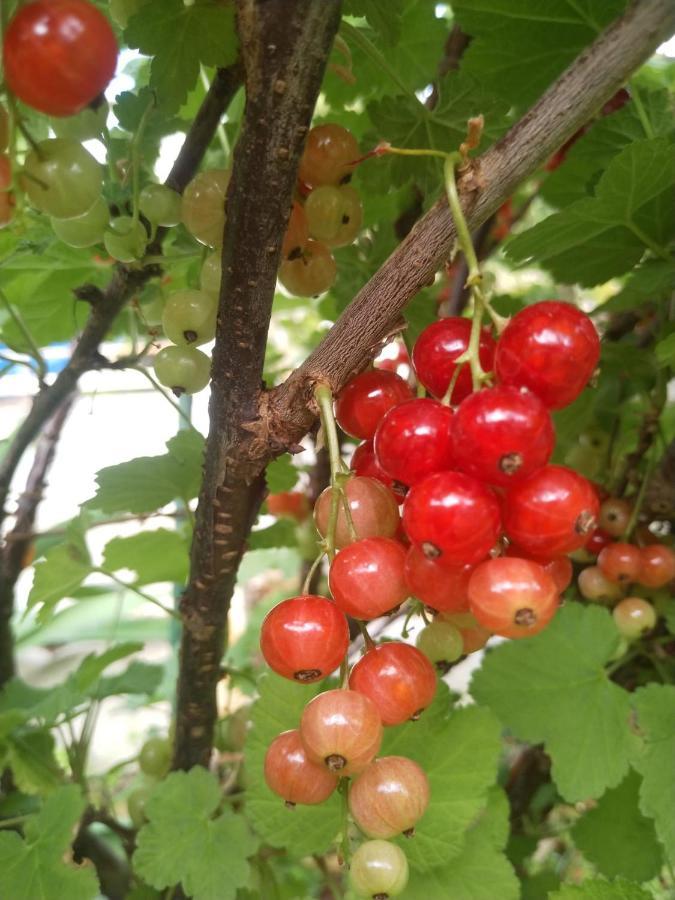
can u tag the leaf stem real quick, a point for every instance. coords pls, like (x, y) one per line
(324, 399)
(131, 587)
(28, 337)
(345, 847)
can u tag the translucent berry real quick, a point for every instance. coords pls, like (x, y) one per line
(514, 598)
(389, 797)
(341, 730)
(379, 870)
(414, 439)
(634, 617)
(373, 509)
(310, 273)
(657, 565)
(292, 776)
(366, 578)
(594, 585)
(436, 350)
(363, 401)
(328, 154)
(620, 562)
(441, 642)
(397, 678)
(442, 588)
(614, 516)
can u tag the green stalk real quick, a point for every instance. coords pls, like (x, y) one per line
(136, 160)
(28, 337)
(324, 399)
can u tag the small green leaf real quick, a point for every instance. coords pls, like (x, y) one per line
(616, 838)
(598, 889)
(281, 475)
(655, 708)
(553, 685)
(30, 756)
(384, 16)
(652, 281)
(62, 570)
(159, 555)
(665, 351)
(281, 533)
(184, 841)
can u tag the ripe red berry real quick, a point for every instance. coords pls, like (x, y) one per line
(341, 730)
(366, 578)
(597, 539)
(550, 512)
(59, 55)
(559, 567)
(304, 638)
(389, 797)
(614, 516)
(373, 509)
(514, 598)
(365, 464)
(552, 348)
(399, 680)
(289, 504)
(414, 439)
(366, 398)
(439, 587)
(292, 776)
(502, 434)
(657, 566)
(620, 562)
(454, 518)
(594, 585)
(436, 350)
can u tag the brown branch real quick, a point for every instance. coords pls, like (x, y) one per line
(285, 45)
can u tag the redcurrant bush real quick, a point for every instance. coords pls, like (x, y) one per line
(398, 679)
(366, 578)
(389, 797)
(341, 730)
(620, 562)
(414, 439)
(436, 350)
(373, 509)
(292, 776)
(304, 638)
(657, 566)
(511, 597)
(442, 588)
(365, 398)
(379, 870)
(634, 617)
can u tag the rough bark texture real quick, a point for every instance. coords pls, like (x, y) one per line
(285, 44)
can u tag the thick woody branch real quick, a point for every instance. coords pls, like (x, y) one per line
(571, 101)
(285, 44)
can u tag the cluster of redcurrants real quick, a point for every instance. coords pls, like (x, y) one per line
(471, 468)
(623, 568)
(327, 213)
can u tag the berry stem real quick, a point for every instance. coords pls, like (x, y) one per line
(312, 569)
(345, 848)
(368, 641)
(324, 400)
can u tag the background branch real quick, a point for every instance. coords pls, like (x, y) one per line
(285, 45)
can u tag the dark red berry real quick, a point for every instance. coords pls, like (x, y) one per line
(366, 398)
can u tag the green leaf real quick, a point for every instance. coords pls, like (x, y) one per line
(481, 871)
(655, 707)
(305, 829)
(651, 281)
(552, 687)
(665, 351)
(56, 576)
(179, 38)
(598, 889)
(518, 50)
(281, 475)
(384, 16)
(632, 211)
(616, 838)
(30, 756)
(33, 868)
(138, 678)
(148, 483)
(184, 841)
(458, 750)
(281, 533)
(159, 555)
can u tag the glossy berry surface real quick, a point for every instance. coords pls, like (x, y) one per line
(304, 638)
(657, 566)
(559, 567)
(292, 776)
(597, 540)
(474, 636)
(502, 434)
(160, 205)
(366, 578)
(453, 518)
(620, 562)
(552, 348)
(594, 585)
(441, 642)
(185, 370)
(398, 679)
(61, 178)
(363, 401)
(327, 155)
(203, 208)
(634, 617)
(84, 230)
(378, 870)
(296, 234)
(364, 463)
(550, 512)
(155, 757)
(414, 439)
(389, 797)
(59, 55)
(443, 589)
(334, 214)
(436, 350)
(310, 273)
(341, 730)
(125, 240)
(189, 317)
(372, 506)
(514, 598)
(210, 274)
(614, 516)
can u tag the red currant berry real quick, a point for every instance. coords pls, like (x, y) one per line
(550, 512)
(595, 586)
(597, 540)
(414, 439)
(341, 730)
(436, 350)
(502, 434)
(292, 776)
(389, 797)
(559, 568)
(552, 348)
(365, 464)
(304, 638)
(620, 562)
(614, 516)
(514, 598)
(453, 518)
(59, 55)
(366, 578)
(399, 680)
(657, 566)
(366, 398)
(372, 506)
(288, 504)
(474, 636)
(634, 617)
(439, 587)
